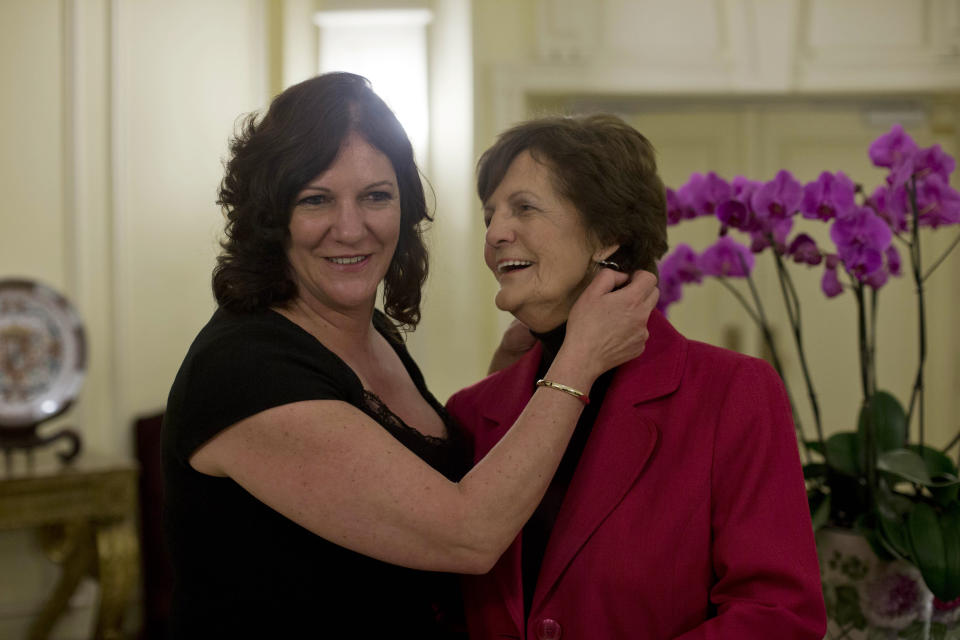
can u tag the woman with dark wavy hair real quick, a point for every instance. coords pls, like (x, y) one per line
(314, 486)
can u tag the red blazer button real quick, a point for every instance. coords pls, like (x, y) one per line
(548, 629)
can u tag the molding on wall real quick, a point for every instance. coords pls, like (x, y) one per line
(69, 155)
(733, 47)
(86, 206)
(118, 275)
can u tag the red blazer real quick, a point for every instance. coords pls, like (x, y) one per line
(686, 517)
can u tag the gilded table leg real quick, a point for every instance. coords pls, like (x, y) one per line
(70, 545)
(118, 565)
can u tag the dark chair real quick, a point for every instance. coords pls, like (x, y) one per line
(157, 572)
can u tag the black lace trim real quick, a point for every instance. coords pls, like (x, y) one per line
(379, 411)
(451, 455)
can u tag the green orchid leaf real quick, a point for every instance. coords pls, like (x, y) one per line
(843, 452)
(950, 525)
(814, 470)
(945, 495)
(892, 510)
(904, 464)
(814, 445)
(889, 421)
(937, 462)
(944, 485)
(891, 504)
(935, 548)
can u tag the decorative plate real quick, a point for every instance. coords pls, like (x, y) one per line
(42, 353)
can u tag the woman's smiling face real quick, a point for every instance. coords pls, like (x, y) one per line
(344, 229)
(537, 246)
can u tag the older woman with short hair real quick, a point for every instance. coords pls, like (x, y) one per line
(678, 510)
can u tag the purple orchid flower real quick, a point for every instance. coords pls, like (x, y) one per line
(726, 258)
(706, 192)
(778, 199)
(922, 163)
(682, 262)
(779, 229)
(734, 213)
(685, 195)
(891, 206)
(830, 282)
(938, 204)
(891, 267)
(861, 239)
(933, 161)
(677, 269)
(804, 250)
(892, 149)
(876, 279)
(674, 207)
(737, 211)
(892, 257)
(743, 187)
(671, 290)
(829, 196)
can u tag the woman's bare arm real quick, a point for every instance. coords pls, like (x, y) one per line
(327, 466)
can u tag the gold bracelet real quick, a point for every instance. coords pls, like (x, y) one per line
(579, 395)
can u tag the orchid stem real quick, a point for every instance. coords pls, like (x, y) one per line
(872, 340)
(792, 303)
(869, 445)
(953, 245)
(918, 396)
(740, 299)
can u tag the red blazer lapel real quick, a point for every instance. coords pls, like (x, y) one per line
(620, 445)
(622, 441)
(506, 398)
(500, 408)
(612, 461)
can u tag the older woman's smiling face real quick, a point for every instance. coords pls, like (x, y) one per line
(537, 246)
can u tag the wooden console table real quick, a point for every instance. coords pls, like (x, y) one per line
(86, 515)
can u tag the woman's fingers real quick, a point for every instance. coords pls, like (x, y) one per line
(610, 324)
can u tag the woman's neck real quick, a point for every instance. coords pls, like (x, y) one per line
(349, 334)
(551, 340)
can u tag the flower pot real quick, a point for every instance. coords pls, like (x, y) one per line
(875, 599)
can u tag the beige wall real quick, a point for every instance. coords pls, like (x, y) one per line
(750, 88)
(114, 121)
(110, 163)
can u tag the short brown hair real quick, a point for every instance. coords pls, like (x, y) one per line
(605, 167)
(274, 156)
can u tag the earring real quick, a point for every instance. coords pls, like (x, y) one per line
(609, 264)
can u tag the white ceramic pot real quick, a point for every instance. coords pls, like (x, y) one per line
(869, 598)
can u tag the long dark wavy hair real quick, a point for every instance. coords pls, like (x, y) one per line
(273, 157)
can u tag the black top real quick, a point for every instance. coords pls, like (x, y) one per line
(536, 533)
(241, 569)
